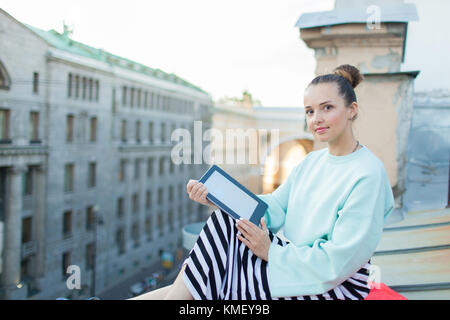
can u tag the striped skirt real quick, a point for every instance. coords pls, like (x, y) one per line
(220, 267)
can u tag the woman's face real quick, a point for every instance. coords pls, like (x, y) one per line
(325, 108)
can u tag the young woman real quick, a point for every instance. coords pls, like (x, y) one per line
(332, 206)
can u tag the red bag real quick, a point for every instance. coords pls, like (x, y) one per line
(380, 291)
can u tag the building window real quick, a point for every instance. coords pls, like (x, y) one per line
(97, 90)
(161, 166)
(3, 84)
(90, 256)
(85, 84)
(69, 128)
(148, 228)
(170, 218)
(77, 86)
(135, 202)
(170, 194)
(150, 132)
(145, 99)
(138, 93)
(180, 214)
(137, 168)
(28, 182)
(91, 89)
(138, 131)
(174, 127)
(135, 234)
(163, 132)
(124, 95)
(68, 177)
(69, 85)
(180, 190)
(67, 224)
(65, 263)
(34, 127)
(172, 166)
(131, 97)
(148, 199)
(27, 229)
(4, 126)
(35, 82)
(122, 170)
(93, 130)
(120, 207)
(120, 240)
(150, 167)
(160, 196)
(160, 224)
(25, 269)
(123, 131)
(92, 172)
(90, 218)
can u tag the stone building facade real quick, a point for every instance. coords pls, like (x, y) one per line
(86, 175)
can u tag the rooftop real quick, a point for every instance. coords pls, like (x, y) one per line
(387, 13)
(414, 255)
(63, 42)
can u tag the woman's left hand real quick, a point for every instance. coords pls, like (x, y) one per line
(255, 238)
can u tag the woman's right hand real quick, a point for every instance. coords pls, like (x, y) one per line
(198, 192)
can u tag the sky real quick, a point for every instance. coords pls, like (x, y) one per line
(223, 47)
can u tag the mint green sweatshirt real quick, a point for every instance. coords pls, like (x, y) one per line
(333, 209)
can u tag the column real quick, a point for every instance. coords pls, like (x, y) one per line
(13, 234)
(40, 218)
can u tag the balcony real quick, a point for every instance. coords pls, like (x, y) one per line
(29, 248)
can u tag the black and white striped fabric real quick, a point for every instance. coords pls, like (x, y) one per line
(220, 267)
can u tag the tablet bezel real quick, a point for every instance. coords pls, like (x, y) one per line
(260, 209)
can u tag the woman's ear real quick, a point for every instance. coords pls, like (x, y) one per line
(353, 110)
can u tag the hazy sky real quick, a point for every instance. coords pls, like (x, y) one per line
(224, 47)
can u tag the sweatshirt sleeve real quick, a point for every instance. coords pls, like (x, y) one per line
(277, 202)
(316, 269)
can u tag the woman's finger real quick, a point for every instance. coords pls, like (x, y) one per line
(244, 241)
(190, 184)
(204, 194)
(242, 225)
(250, 226)
(248, 234)
(263, 224)
(195, 190)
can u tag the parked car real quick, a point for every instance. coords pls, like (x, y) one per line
(137, 289)
(147, 284)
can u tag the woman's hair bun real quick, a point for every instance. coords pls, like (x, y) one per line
(350, 73)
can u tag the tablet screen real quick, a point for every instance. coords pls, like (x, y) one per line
(231, 195)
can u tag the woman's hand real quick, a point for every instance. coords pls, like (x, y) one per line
(255, 238)
(198, 192)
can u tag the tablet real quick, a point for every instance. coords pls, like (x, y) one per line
(231, 196)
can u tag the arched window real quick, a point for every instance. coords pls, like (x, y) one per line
(5, 80)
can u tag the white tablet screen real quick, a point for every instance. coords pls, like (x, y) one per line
(231, 195)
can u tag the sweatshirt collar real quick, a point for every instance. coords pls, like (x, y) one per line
(348, 157)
